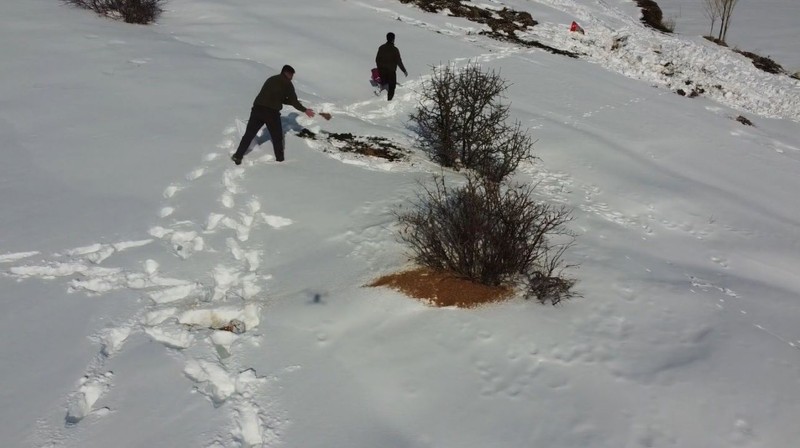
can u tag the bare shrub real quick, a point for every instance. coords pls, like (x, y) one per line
(653, 17)
(494, 234)
(670, 23)
(763, 63)
(512, 145)
(130, 11)
(715, 40)
(437, 122)
(461, 122)
(719, 9)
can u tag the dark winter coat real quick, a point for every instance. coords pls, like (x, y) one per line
(388, 58)
(277, 91)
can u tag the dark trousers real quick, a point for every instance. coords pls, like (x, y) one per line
(260, 116)
(389, 80)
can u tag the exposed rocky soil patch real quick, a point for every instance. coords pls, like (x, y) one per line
(761, 62)
(504, 23)
(371, 146)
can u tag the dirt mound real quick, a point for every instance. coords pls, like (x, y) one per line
(440, 288)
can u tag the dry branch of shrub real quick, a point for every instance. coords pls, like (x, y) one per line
(461, 122)
(653, 17)
(131, 11)
(493, 234)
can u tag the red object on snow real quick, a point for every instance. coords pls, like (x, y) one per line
(376, 76)
(575, 27)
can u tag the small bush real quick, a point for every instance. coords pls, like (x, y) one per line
(491, 233)
(716, 41)
(669, 24)
(462, 123)
(653, 17)
(131, 11)
(762, 62)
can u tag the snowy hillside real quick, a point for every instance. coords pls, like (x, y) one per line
(766, 27)
(131, 246)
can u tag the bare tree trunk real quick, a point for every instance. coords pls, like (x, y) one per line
(712, 11)
(725, 14)
(729, 11)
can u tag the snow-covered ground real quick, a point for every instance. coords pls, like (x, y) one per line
(767, 27)
(128, 239)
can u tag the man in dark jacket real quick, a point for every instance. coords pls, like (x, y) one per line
(387, 60)
(277, 91)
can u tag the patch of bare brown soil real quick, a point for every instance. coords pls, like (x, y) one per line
(760, 62)
(504, 23)
(440, 288)
(369, 146)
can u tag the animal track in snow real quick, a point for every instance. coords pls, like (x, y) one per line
(708, 286)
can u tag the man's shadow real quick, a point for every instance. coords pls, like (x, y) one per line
(288, 123)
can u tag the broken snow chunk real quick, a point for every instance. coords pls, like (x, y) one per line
(124, 245)
(223, 340)
(160, 232)
(276, 221)
(159, 316)
(10, 257)
(213, 381)
(173, 294)
(171, 337)
(112, 339)
(150, 266)
(219, 317)
(213, 221)
(90, 390)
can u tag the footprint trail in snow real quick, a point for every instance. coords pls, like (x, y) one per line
(212, 315)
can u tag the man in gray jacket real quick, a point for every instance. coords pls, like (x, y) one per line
(276, 91)
(387, 60)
